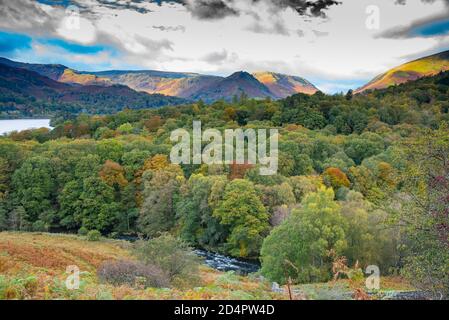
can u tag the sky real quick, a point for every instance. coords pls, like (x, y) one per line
(337, 45)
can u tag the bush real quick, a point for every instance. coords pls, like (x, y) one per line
(93, 235)
(132, 273)
(173, 256)
(39, 226)
(83, 231)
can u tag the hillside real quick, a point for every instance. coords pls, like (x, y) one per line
(427, 66)
(234, 86)
(282, 85)
(185, 85)
(29, 93)
(33, 266)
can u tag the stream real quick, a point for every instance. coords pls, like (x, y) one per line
(218, 261)
(225, 263)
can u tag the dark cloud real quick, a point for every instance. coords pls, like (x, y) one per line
(277, 28)
(23, 15)
(170, 28)
(216, 57)
(413, 30)
(211, 9)
(218, 9)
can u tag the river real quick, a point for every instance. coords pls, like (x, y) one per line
(7, 126)
(225, 263)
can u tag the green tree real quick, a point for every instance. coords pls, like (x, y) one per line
(99, 209)
(243, 212)
(161, 193)
(197, 225)
(35, 189)
(301, 246)
(424, 211)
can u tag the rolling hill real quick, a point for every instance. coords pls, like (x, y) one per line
(282, 85)
(179, 84)
(235, 85)
(427, 66)
(29, 93)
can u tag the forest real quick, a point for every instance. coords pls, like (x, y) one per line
(363, 178)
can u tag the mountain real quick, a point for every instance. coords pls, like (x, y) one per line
(194, 85)
(234, 86)
(427, 66)
(184, 85)
(282, 85)
(26, 92)
(179, 84)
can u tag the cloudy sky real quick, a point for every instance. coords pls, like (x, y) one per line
(337, 45)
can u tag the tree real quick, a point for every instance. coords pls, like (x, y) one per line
(3, 215)
(242, 211)
(197, 225)
(99, 210)
(35, 187)
(4, 176)
(277, 195)
(160, 195)
(365, 146)
(371, 241)
(301, 246)
(110, 150)
(112, 174)
(335, 178)
(424, 214)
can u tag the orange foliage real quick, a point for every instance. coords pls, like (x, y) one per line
(153, 123)
(158, 162)
(230, 113)
(238, 171)
(336, 178)
(113, 174)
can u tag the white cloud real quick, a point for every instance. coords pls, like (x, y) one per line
(335, 49)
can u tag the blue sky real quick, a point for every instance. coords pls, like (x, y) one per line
(24, 48)
(436, 28)
(334, 49)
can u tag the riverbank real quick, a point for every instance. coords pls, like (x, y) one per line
(33, 266)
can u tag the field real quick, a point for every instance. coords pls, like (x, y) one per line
(33, 266)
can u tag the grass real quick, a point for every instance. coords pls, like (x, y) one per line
(33, 266)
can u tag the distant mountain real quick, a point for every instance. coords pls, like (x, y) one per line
(427, 66)
(29, 93)
(282, 85)
(234, 86)
(179, 84)
(184, 85)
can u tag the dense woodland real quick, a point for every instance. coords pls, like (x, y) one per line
(364, 178)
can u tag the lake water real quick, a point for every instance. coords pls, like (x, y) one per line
(7, 126)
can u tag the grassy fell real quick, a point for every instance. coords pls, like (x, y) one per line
(33, 266)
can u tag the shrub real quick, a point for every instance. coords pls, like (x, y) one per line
(132, 273)
(173, 256)
(39, 226)
(83, 231)
(93, 235)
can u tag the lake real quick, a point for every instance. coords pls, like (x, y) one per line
(7, 126)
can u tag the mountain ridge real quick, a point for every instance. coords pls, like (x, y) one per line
(409, 71)
(187, 85)
(29, 93)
